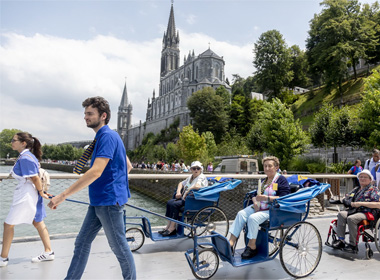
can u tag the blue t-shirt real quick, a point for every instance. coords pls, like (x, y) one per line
(355, 170)
(26, 165)
(111, 187)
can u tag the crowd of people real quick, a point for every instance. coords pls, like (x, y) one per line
(176, 166)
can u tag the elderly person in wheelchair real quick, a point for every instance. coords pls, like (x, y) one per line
(195, 181)
(273, 186)
(364, 198)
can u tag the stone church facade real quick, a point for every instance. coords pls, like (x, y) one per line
(177, 84)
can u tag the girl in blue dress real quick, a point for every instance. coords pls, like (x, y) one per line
(27, 206)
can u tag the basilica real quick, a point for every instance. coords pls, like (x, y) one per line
(177, 84)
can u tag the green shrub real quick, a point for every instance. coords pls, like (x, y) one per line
(305, 164)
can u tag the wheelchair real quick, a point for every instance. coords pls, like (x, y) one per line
(368, 230)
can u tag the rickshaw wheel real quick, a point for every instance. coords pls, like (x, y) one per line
(301, 249)
(210, 219)
(275, 237)
(135, 238)
(377, 235)
(208, 264)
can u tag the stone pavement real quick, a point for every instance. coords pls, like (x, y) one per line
(166, 260)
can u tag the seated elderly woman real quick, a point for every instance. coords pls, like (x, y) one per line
(273, 186)
(365, 198)
(195, 181)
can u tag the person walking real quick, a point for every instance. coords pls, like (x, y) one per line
(107, 179)
(355, 170)
(27, 206)
(371, 162)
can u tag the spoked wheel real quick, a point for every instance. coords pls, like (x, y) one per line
(377, 235)
(368, 251)
(301, 249)
(274, 238)
(208, 264)
(210, 219)
(135, 238)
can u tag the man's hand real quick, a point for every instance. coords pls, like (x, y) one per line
(55, 201)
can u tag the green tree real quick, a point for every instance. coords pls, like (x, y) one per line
(338, 37)
(243, 113)
(370, 16)
(318, 129)
(368, 126)
(272, 62)
(208, 112)
(172, 152)
(280, 134)
(210, 145)
(300, 67)
(6, 136)
(340, 131)
(191, 145)
(225, 95)
(233, 144)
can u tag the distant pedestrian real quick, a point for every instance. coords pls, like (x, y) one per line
(27, 206)
(370, 163)
(210, 167)
(107, 179)
(354, 170)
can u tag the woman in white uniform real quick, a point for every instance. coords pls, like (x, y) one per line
(27, 206)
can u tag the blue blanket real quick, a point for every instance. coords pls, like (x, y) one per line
(212, 193)
(296, 202)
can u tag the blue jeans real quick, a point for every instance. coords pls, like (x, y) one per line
(252, 219)
(111, 219)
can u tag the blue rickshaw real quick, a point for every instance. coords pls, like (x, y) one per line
(286, 233)
(200, 216)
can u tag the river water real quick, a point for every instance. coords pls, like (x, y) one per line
(68, 217)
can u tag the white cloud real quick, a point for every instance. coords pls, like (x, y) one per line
(191, 19)
(44, 79)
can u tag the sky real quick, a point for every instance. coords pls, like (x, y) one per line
(56, 53)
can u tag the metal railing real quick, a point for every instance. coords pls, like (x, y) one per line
(69, 216)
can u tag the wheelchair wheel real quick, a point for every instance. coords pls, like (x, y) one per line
(210, 219)
(208, 264)
(368, 251)
(301, 249)
(135, 238)
(274, 238)
(377, 235)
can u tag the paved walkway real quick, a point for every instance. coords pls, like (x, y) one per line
(166, 260)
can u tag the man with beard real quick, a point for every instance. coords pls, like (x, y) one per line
(107, 179)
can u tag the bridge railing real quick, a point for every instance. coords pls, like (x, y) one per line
(151, 191)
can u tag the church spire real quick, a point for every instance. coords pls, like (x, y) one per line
(124, 98)
(170, 46)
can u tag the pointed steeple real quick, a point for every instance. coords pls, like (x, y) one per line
(124, 98)
(170, 46)
(170, 31)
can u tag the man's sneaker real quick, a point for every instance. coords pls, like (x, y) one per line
(44, 257)
(338, 244)
(3, 262)
(351, 249)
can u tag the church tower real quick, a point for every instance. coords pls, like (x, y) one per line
(124, 117)
(170, 47)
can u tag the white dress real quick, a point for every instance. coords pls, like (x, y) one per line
(24, 205)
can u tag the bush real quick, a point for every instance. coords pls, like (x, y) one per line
(304, 164)
(340, 167)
